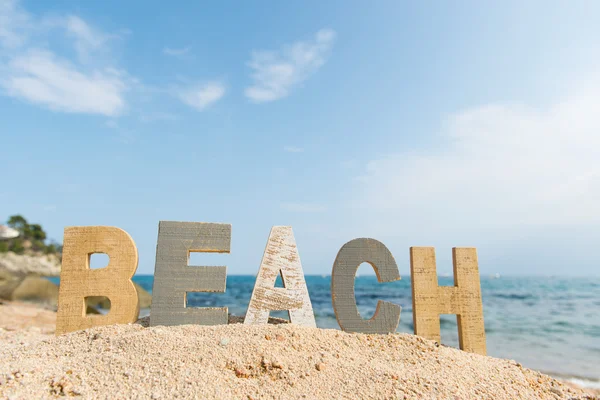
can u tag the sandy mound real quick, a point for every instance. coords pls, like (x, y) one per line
(251, 362)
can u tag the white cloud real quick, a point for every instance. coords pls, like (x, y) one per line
(293, 149)
(502, 166)
(203, 95)
(276, 73)
(41, 78)
(303, 207)
(177, 52)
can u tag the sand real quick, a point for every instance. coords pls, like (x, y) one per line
(236, 361)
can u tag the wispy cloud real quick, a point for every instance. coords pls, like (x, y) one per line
(87, 39)
(157, 116)
(293, 149)
(177, 52)
(122, 135)
(112, 124)
(202, 95)
(349, 164)
(14, 24)
(39, 76)
(303, 207)
(276, 73)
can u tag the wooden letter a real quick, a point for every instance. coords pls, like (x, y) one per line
(281, 257)
(78, 281)
(462, 299)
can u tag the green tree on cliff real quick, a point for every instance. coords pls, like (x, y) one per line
(31, 237)
(18, 222)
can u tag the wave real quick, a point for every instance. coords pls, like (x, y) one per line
(513, 296)
(580, 380)
(584, 382)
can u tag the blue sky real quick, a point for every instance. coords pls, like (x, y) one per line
(430, 124)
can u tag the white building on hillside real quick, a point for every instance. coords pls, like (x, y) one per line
(7, 232)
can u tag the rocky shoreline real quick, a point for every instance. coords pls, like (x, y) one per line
(23, 279)
(30, 264)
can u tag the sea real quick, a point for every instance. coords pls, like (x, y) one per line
(550, 324)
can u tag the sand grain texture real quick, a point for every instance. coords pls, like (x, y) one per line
(240, 361)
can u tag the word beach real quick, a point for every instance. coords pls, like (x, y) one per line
(174, 278)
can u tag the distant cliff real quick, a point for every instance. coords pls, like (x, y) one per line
(27, 252)
(24, 264)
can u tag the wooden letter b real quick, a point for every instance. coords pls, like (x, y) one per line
(78, 281)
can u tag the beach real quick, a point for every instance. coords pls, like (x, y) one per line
(248, 362)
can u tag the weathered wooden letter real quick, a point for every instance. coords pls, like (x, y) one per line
(463, 299)
(280, 258)
(349, 258)
(78, 281)
(173, 278)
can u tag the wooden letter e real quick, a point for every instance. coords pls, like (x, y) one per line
(173, 278)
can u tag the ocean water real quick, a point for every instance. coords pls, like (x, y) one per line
(551, 324)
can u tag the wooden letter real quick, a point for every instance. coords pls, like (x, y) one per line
(78, 281)
(173, 278)
(349, 258)
(462, 299)
(280, 258)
